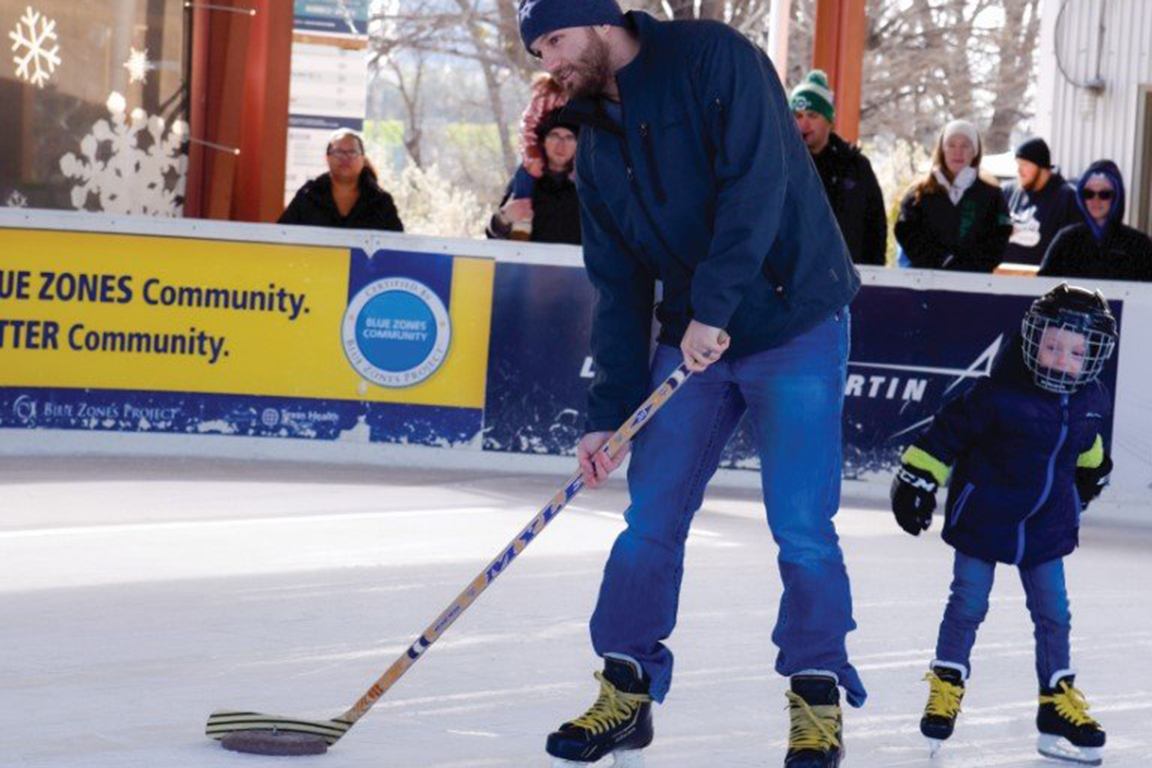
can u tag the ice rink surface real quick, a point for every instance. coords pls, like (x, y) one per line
(138, 596)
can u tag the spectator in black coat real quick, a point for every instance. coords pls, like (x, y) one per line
(348, 196)
(1101, 247)
(552, 213)
(1040, 202)
(954, 218)
(852, 189)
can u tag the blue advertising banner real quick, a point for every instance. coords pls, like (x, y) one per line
(337, 17)
(912, 350)
(538, 366)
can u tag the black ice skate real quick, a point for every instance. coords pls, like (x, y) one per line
(815, 739)
(1067, 732)
(945, 692)
(619, 723)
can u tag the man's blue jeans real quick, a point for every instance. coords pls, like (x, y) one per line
(793, 396)
(1047, 600)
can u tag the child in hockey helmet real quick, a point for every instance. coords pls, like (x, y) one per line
(1023, 454)
(1068, 335)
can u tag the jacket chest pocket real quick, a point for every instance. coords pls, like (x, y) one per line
(671, 154)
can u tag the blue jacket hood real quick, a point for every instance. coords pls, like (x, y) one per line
(1116, 212)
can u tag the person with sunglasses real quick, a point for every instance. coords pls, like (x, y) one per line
(1102, 247)
(348, 196)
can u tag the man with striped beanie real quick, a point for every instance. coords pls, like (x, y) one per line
(852, 189)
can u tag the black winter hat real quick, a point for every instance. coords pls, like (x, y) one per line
(1035, 151)
(555, 119)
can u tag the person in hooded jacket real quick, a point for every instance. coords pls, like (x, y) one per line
(954, 218)
(1101, 247)
(552, 209)
(348, 196)
(1023, 454)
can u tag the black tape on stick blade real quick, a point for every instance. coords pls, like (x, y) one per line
(274, 743)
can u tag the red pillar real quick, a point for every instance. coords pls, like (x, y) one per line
(238, 115)
(838, 49)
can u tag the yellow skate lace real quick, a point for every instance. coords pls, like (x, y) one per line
(612, 707)
(1070, 704)
(813, 727)
(943, 697)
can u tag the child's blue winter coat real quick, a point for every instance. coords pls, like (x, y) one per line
(1015, 447)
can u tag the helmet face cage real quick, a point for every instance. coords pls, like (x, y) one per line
(1098, 348)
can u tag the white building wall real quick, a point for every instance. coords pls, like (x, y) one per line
(1108, 40)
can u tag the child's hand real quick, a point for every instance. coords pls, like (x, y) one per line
(1091, 480)
(913, 498)
(518, 209)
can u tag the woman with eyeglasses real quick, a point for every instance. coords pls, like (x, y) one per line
(550, 212)
(1102, 247)
(348, 195)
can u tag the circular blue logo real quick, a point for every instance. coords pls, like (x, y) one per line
(396, 332)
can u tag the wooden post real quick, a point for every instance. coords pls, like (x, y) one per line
(780, 22)
(238, 111)
(838, 49)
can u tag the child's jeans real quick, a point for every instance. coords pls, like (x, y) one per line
(1047, 600)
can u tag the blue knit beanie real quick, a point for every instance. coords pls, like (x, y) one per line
(540, 17)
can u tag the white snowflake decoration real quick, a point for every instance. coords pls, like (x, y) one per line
(138, 66)
(34, 33)
(124, 175)
(16, 200)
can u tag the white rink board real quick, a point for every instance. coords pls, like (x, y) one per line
(1128, 500)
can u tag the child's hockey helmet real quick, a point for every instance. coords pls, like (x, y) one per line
(1075, 309)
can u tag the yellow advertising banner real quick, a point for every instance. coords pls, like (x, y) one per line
(160, 314)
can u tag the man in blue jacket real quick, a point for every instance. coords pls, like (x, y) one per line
(691, 172)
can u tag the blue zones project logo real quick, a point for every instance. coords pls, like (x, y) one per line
(396, 332)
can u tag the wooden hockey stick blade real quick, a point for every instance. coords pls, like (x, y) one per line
(222, 723)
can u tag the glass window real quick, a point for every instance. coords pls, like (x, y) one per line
(93, 113)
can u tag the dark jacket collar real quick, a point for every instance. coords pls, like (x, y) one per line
(320, 188)
(589, 111)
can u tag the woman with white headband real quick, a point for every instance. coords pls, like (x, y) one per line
(955, 218)
(1101, 247)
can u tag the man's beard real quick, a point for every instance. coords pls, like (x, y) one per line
(589, 75)
(1036, 183)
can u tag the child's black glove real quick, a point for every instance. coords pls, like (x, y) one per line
(913, 498)
(1091, 480)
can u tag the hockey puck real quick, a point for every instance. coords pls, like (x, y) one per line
(274, 743)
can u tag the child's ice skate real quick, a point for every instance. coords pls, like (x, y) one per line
(1067, 732)
(815, 739)
(945, 692)
(618, 724)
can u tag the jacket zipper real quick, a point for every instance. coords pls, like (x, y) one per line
(650, 152)
(1048, 478)
(961, 500)
(720, 150)
(635, 184)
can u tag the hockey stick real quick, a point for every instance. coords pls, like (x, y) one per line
(255, 732)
